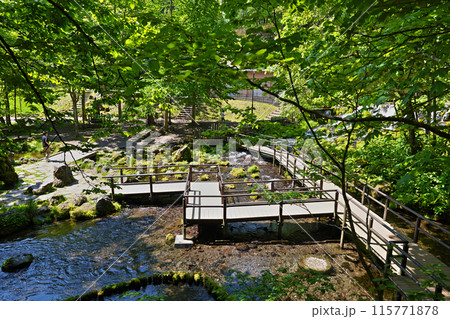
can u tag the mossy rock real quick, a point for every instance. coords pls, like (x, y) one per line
(204, 177)
(84, 212)
(107, 291)
(144, 281)
(238, 172)
(230, 186)
(89, 296)
(255, 175)
(135, 284)
(197, 279)
(178, 176)
(101, 295)
(253, 169)
(190, 278)
(157, 279)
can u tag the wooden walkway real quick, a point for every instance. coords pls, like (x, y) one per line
(402, 254)
(205, 202)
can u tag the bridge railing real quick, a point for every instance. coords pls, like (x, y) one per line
(225, 197)
(273, 182)
(363, 190)
(403, 254)
(401, 245)
(153, 177)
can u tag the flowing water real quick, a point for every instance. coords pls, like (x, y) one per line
(71, 257)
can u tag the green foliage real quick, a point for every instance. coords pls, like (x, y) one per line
(16, 218)
(421, 181)
(279, 130)
(283, 285)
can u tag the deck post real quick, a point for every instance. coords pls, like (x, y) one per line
(336, 205)
(369, 232)
(121, 177)
(386, 206)
(295, 165)
(416, 229)
(274, 155)
(151, 186)
(156, 173)
(437, 291)
(280, 162)
(405, 258)
(280, 220)
(184, 217)
(112, 188)
(344, 219)
(387, 264)
(287, 161)
(363, 194)
(224, 220)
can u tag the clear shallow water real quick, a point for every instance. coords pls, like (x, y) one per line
(70, 256)
(169, 292)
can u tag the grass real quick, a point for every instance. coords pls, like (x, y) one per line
(261, 110)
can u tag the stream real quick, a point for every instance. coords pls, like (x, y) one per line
(70, 256)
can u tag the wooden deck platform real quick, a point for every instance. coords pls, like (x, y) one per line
(208, 207)
(136, 189)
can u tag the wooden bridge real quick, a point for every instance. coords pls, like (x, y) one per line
(404, 260)
(209, 202)
(407, 260)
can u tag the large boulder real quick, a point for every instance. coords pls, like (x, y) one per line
(62, 176)
(104, 206)
(16, 263)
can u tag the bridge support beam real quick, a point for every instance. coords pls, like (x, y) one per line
(344, 226)
(280, 221)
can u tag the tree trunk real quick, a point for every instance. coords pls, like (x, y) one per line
(83, 106)
(166, 119)
(150, 120)
(7, 107)
(15, 104)
(193, 112)
(75, 98)
(412, 141)
(120, 109)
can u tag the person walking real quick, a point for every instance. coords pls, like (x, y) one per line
(45, 145)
